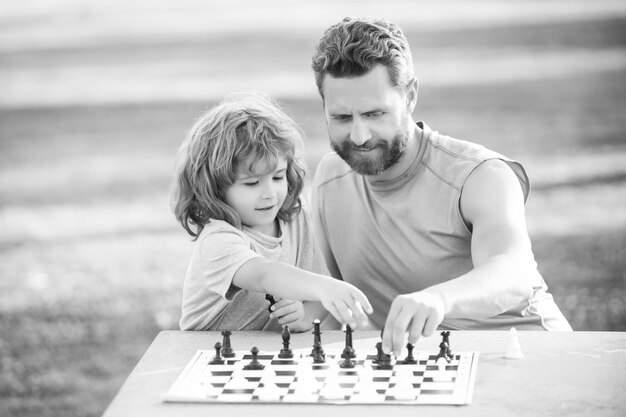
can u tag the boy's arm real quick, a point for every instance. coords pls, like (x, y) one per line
(342, 300)
(314, 310)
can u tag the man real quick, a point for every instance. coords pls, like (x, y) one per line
(432, 229)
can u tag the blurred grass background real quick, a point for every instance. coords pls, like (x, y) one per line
(95, 98)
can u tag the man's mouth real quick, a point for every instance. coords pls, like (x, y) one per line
(364, 148)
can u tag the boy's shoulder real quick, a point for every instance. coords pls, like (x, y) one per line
(215, 230)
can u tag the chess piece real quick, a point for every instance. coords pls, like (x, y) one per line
(443, 351)
(217, 359)
(403, 389)
(254, 364)
(409, 360)
(514, 350)
(348, 332)
(441, 374)
(268, 391)
(347, 355)
(318, 352)
(331, 389)
(227, 350)
(365, 389)
(446, 340)
(270, 298)
(383, 360)
(306, 381)
(285, 352)
(379, 352)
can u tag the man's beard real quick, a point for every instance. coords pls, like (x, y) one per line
(365, 164)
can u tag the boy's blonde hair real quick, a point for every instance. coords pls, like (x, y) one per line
(243, 129)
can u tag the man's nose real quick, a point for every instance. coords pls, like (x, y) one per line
(359, 132)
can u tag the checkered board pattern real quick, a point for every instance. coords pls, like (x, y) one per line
(366, 383)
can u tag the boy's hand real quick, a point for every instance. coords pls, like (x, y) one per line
(346, 302)
(290, 313)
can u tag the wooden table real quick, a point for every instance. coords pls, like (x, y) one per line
(561, 374)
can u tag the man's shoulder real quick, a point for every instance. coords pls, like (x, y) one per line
(331, 168)
(452, 148)
(454, 160)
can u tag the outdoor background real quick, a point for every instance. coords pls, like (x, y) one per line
(96, 96)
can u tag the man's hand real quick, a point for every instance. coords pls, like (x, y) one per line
(290, 313)
(418, 313)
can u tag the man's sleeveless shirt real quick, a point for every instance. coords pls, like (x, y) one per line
(401, 236)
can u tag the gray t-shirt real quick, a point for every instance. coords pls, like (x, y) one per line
(212, 302)
(403, 235)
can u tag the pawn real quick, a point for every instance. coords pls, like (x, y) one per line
(217, 359)
(254, 364)
(306, 381)
(366, 389)
(403, 389)
(268, 392)
(514, 350)
(410, 359)
(441, 375)
(331, 389)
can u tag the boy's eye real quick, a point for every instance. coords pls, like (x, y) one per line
(279, 177)
(250, 183)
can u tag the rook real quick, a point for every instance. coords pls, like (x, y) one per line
(227, 350)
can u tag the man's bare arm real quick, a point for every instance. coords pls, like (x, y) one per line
(492, 204)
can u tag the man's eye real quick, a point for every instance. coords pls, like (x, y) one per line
(341, 117)
(375, 114)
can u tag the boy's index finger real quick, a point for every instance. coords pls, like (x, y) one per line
(365, 303)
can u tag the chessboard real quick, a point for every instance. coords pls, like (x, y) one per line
(330, 377)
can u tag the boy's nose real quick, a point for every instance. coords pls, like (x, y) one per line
(268, 192)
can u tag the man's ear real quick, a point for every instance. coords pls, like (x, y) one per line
(411, 95)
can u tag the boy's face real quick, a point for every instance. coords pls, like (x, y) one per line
(258, 194)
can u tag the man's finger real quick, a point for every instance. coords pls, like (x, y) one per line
(415, 329)
(388, 330)
(430, 325)
(399, 331)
